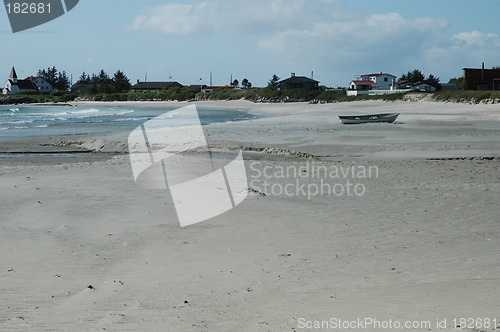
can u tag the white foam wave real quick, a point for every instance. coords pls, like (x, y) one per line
(130, 119)
(86, 111)
(18, 122)
(124, 112)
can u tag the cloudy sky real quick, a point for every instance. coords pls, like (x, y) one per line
(185, 40)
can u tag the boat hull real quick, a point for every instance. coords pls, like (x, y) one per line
(369, 118)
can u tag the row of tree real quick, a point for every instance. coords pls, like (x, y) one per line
(59, 80)
(244, 83)
(417, 76)
(103, 83)
(100, 83)
(119, 82)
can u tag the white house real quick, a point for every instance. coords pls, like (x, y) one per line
(13, 85)
(41, 83)
(379, 81)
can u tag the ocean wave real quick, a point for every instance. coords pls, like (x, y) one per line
(17, 122)
(124, 112)
(9, 110)
(86, 111)
(129, 119)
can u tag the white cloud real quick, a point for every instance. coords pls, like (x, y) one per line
(477, 38)
(237, 15)
(326, 35)
(176, 19)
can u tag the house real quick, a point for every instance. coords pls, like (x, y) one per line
(404, 84)
(418, 86)
(367, 82)
(423, 87)
(361, 85)
(155, 86)
(481, 79)
(81, 88)
(14, 85)
(41, 83)
(298, 82)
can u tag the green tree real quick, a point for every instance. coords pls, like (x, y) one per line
(103, 77)
(63, 82)
(84, 79)
(58, 80)
(413, 76)
(49, 75)
(121, 82)
(273, 82)
(101, 83)
(246, 83)
(459, 82)
(235, 83)
(434, 81)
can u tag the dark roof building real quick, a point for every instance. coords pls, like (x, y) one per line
(14, 85)
(81, 88)
(298, 82)
(155, 86)
(481, 79)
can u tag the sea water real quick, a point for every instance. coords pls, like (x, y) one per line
(20, 122)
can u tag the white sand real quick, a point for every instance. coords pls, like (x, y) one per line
(420, 245)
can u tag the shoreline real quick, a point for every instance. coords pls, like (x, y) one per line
(420, 132)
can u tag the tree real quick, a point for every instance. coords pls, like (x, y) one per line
(246, 83)
(49, 75)
(101, 83)
(63, 82)
(121, 82)
(58, 80)
(459, 82)
(434, 81)
(235, 83)
(414, 76)
(84, 79)
(103, 77)
(273, 82)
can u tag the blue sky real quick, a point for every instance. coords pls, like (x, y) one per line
(337, 39)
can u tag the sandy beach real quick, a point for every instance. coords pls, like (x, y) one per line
(85, 249)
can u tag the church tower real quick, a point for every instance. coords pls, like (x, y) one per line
(13, 75)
